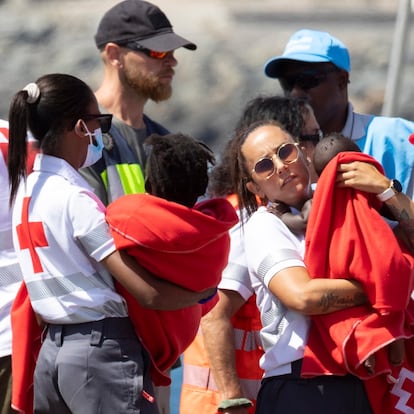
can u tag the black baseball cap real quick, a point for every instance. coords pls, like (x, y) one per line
(141, 22)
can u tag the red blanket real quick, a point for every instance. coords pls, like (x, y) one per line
(188, 247)
(347, 238)
(25, 348)
(209, 248)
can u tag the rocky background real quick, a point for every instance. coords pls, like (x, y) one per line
(212, 84)
(234, 38)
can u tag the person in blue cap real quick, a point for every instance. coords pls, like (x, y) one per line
(317, 65)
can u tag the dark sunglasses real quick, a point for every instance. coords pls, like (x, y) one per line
(315, 138)
(150, 53)
(305, 80)
(105, 120)
(287, 153)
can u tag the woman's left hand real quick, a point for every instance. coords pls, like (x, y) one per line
(361, 176)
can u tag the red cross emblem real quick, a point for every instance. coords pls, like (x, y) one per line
(4, 132)
(31, 235)
(403, 390)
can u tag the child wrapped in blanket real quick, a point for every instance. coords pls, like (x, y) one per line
(176, 238)
(325, 150)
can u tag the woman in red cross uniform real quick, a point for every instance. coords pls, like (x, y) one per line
(90, 359)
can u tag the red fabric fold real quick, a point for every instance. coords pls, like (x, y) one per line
(25, 348)
(197, 265)
(347, 238)
(188, 247)
(26, 332)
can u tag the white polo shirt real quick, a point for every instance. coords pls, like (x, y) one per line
(60, 254)
(10, 273)
(271, 247)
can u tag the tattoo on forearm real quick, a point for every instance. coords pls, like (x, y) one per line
(331, 301)
(399, 214)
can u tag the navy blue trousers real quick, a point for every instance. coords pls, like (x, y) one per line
(290, 394)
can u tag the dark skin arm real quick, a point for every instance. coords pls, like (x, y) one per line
(150, 291)
(296, 222)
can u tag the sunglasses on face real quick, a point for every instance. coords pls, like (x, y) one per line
(287, 153)
(150, 53)
(105, 120)
(305, 80)
(315, 138)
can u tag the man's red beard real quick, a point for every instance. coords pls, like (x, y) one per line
(147, 85)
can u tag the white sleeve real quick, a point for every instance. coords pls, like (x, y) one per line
(235, 276)
(87, 215)
(270, 246)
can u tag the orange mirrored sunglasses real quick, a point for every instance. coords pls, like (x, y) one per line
(150, 53)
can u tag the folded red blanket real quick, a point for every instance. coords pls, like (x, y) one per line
(347, 238)
(196, 245)
(25, 349)
(186, 246)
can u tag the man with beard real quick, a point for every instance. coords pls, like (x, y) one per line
(137, 44)
(317, 66)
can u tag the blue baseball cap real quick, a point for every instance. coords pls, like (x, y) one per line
(310, 46)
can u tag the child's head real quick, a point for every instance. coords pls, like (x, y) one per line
(177, 168)
(329, 146)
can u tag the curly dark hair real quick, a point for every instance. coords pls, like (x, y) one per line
(284, 109)
(177, 168)
(287, 111)
(329, 146)
(220, 182)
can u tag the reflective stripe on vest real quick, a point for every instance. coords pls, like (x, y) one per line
(121, 179)
(199, 391)
(202, 378)
(10, 274)
(57, 287)
(246, 341)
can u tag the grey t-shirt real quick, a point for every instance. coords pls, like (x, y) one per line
(135, 137)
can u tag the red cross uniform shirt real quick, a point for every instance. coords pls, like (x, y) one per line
(60, 235)
(10, 274)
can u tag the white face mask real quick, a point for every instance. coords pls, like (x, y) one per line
(94, 151)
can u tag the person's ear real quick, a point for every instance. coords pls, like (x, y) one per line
(343, 79)
(255, 189)
(80, 128)
(113, 54)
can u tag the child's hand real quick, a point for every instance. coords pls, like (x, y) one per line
(369, 364)
(278, 208)
(306, 209)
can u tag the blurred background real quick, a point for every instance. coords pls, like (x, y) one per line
(234, 38)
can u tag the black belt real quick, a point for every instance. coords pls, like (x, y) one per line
(97, 330)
